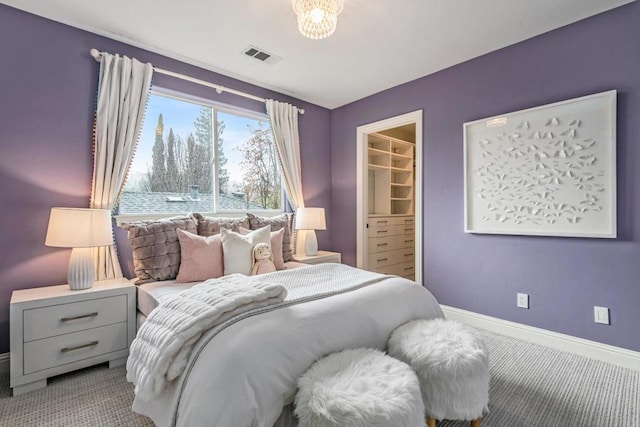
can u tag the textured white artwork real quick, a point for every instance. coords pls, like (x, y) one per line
(549, 170)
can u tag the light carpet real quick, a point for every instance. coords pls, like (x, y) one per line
(531, 385)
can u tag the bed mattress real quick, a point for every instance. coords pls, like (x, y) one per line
(150, 295)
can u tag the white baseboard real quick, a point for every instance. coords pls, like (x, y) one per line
(595, 350)
(4, 363)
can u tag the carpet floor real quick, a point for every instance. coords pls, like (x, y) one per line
(531, 385)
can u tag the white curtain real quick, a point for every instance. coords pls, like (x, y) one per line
(123, 90)
(284, 122)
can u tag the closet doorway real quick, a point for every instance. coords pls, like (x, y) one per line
(389, 196)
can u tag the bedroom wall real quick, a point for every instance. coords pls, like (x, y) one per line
(565, 277)
(48, 86)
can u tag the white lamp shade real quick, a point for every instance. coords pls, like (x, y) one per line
(310, 219)
(79, 228)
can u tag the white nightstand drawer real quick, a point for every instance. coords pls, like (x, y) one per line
(56, 351)
(45, 322)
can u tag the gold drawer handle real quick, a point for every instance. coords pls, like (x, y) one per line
(408, 241)
(382, 222)
(84, 316)
(382, 259)
(382, 244)
(383, 231)
(408, 268)
(78, 347)
(411, 254)
(408, 229)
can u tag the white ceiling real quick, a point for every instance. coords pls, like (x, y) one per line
(378, 44)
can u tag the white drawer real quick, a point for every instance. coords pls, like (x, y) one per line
(390, 257)
(390, 230)
(68, 348)
(404, 269)
(391, 243)
(384, 221)
(45, 322)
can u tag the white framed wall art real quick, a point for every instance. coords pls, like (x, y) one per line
(548, 170)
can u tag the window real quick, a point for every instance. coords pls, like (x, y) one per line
(197, 157)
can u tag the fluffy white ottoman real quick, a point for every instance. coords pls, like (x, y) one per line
(452, 364)
(359, 388)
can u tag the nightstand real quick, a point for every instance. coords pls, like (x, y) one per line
(322, 257)
(56, 330)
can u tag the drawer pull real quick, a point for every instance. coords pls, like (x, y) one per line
(411, 254)
(78, 347)
(382, 259)
(408, 229)
(383, 231)
(408, 268)
(408, 241)
(84, 316)
(382, 222)
(382, 244)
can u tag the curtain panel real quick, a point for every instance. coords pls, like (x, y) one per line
(284, 123)
(123, 90)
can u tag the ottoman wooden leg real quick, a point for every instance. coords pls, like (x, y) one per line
(476, 422)
(431, 422)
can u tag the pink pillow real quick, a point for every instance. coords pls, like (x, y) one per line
(276, 246)
(200, 257)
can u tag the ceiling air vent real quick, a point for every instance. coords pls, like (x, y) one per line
(261, 55)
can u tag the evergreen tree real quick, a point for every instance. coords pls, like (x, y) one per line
(158, 171)
(173, 173)
(204, 139)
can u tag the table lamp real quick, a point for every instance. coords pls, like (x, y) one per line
(80, 229)
(310, 219)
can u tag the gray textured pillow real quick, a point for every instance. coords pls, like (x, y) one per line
(277, 222)
(156, 248)
(209, 225)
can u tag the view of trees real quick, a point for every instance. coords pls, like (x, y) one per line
(179, 162)
(262, 183)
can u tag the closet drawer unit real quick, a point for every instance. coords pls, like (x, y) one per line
(44, 322)
(390, 257)
(384, 221)
(391, 243)
(60, 350)
(403, 269)
(387, 230)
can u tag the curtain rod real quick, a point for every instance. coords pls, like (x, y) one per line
(97, 54)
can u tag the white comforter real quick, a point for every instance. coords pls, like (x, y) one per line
(248, 371)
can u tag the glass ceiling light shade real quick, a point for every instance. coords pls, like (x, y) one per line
(317, 19)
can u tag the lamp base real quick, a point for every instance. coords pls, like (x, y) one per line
(311, 243)
(81, 273)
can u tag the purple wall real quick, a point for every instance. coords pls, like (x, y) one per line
(48, 85)
(565, 277)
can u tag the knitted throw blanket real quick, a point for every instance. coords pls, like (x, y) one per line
(162, 346)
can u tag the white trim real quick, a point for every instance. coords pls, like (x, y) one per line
(361, 179)
(4, 363)
(606, 353)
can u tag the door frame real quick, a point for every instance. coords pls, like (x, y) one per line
(362, 180)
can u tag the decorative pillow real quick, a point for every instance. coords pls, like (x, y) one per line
(201, 257)
(276, 223)
(155, 247)
(209, 225)
(276, 246)
(238, 249)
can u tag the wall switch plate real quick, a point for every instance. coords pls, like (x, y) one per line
(601, 315)
(523, 300)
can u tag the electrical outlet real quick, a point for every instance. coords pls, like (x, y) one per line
(523, 300)
(601, 315)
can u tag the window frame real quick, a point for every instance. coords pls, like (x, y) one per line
(216, 212)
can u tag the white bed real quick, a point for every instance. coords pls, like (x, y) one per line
(244, 374)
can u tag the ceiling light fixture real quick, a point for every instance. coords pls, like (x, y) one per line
(317, 19)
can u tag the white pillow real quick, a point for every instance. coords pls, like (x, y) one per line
(237, 249)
